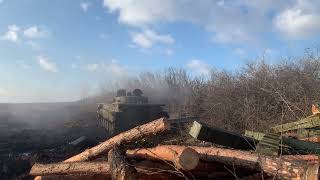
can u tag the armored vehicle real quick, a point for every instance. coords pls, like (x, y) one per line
(127, 110)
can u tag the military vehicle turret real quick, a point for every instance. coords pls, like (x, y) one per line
(127, 110)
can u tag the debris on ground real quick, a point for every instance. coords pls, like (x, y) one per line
(188, 149)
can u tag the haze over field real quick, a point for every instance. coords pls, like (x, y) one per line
(66, 50)
(233, 64)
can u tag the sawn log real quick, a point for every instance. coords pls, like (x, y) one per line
(151, 128)
(272, 166)
(74, 168)
(182, 157)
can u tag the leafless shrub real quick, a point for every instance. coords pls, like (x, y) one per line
(254, 97)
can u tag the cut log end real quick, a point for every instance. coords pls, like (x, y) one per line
(182, 157)
(188, 159)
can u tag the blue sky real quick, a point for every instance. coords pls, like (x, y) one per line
(59, 50)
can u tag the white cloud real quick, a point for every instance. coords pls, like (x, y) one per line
(92, 67)
(85, 6)
(12, 33)
(237, 21)
(112, 67)
(141, 40)
(199, 66)
(1, 1)
(224, 18)
(47, 65)
(35, 32)
(148, 38)
(300, 21)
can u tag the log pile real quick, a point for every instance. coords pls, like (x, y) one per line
(120, 157)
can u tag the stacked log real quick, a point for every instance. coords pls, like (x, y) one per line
(172, 161)
(152, 128)
(274, 166)
(285, 168)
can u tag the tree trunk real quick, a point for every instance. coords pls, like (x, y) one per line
(152, 128)
(273, 166)
(183, 158)
(120, 169)
(75, 168)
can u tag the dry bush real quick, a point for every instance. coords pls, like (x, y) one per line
(259, 95)
(256, 96)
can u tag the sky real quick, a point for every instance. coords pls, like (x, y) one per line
(63, 50)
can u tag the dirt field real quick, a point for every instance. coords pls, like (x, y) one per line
(42, 132)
